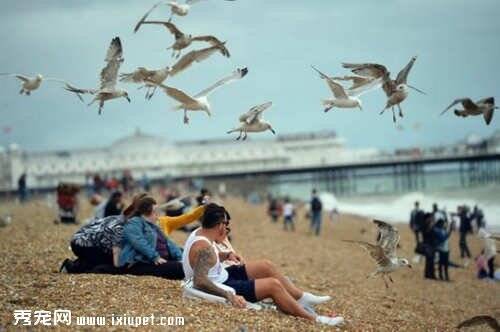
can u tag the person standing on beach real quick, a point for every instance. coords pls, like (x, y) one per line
(316, 209)
(478, 217)
(428, 246)
(442, 234)
(288, 215)
(416, 221)
(21, 188)
(273, 209)
(464, 228)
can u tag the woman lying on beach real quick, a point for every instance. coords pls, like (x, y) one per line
(97, 244)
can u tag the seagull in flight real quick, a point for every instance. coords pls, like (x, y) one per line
(343, 98)
(176, 8)
(109, 74)
(384, 251)
(484, 106)
(183, 40)
(199, 102)
(29, 84)
(396, 90)
(252, 121)
(152, 78)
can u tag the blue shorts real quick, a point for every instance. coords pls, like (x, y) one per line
(239, 281)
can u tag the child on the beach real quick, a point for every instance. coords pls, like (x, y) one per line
(481, 266)
(288, 215)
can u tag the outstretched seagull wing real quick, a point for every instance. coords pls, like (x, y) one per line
(19, 76)
(194, 56)
(467, 102)
(114, 58)
(78, 92)
(337, 89)
(143, 18)
(387, 238)
(137, 76)
(255, 113)
(403, 74)
(374, 70)
(376, 252)
(214, 42)
(170, 27)
(488, 100)
(360, 84)
(177, 94)
(236, 75)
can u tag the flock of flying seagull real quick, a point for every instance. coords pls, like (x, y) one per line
(367, 77)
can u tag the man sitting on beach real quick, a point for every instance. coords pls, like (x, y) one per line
(252, 281)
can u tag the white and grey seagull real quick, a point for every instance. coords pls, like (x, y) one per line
(384, 251)
(199, 102)
(176, 8)
(252, 122)
(395, 90)
(183, 40)
(485, 106)
(109, 75)
(30, 84)
(152, 78)
(342, 98)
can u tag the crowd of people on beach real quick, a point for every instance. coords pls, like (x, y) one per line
(287, 210)
(135, 240)
(432, 232)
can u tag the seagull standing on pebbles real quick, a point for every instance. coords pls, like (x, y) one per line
(342, 99)
(30, 84)
(182, 40)
(152, 78)
(252, 121)
(384, 252)
(109, 74)
(484, 106)
(199, 102)
(396, 90)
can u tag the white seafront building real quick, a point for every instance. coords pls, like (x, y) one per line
(158, 159)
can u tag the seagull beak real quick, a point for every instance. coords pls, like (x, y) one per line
(272, 130)
(418, 90)
(128, 98)
(409, 265)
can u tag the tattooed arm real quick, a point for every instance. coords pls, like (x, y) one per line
(205, 259)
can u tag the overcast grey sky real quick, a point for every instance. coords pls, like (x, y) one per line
(456, 42)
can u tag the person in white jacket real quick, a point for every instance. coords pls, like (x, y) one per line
(490, 250)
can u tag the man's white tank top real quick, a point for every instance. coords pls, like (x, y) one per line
(217, 273)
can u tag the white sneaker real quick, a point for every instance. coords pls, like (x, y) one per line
(309, 299)
(332, 321)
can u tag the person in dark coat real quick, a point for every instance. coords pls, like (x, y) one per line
(464, 229)
(429, 246)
